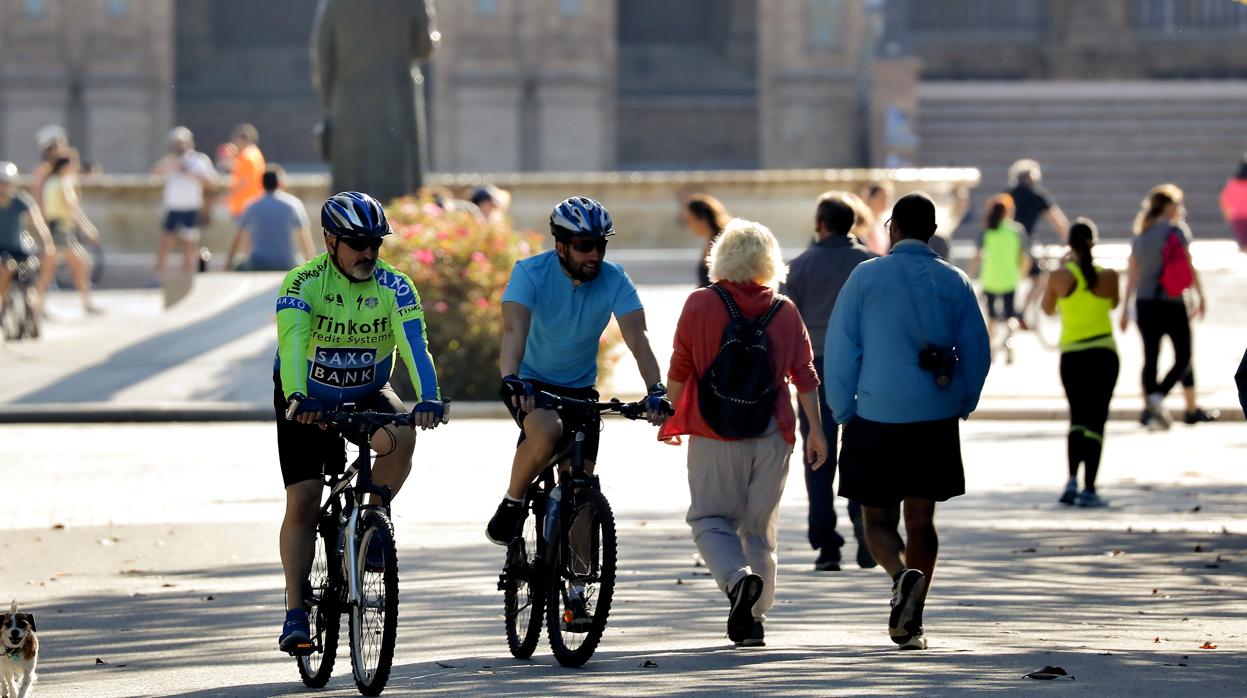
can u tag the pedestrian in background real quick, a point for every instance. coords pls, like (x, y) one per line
(1000, 262)
(907, 356)
(492, 202)
(815, 278)
(737, 469)
(185, 171)
(246, 169)
(705, 217)
(1085, 294)
(877, 195)
(1234, 204)
(66, 221)
(53, 145)
(1032, 201)
(270, 229)
(1160, 280)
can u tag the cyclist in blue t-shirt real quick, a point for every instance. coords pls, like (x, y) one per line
(554, 311)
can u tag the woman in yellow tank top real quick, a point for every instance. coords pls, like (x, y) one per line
(1085, 295)
(66, 221)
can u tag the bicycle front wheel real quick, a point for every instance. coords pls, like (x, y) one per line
(524, 588)
(324, 611)
(375, 618)
(582, 580)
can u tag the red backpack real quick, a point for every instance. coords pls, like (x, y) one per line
(1176, 274)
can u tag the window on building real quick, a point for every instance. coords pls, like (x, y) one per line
(36, 9)
(1177, 16)
(826, 24)
(117, 8)
(486, 8)
(571, 8)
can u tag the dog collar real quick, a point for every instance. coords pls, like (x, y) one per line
(12, 651)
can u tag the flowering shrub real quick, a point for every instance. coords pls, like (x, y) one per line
(460, 265)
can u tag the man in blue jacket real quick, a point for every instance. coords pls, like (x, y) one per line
(906, 357)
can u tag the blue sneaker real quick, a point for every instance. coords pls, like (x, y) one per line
(296, 634)
(1090, 500)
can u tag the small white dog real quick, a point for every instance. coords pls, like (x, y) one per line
(21, 653)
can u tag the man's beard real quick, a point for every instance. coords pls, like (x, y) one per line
(580, 273)
(362, 270)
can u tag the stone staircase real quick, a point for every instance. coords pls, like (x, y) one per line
(1101, 145)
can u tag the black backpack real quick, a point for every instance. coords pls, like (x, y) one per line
(737, 393)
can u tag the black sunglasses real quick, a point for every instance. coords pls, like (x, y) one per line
(361, 244)
(587, 246)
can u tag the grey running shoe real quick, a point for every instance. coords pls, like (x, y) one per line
(1160, 421)
(1197, 416)
(1070, 494)
(1090, 499)
(916, 641)
(743, 596)
(906, 599)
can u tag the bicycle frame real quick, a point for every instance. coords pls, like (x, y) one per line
(353, 485)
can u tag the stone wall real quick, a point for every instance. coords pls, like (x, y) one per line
(645, 206)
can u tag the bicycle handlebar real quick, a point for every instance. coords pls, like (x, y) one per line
(629, 410)
(342, 418)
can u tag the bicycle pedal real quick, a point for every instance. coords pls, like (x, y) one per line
(303, 649)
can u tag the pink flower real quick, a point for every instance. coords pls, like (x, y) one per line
(482, 302)
(440, 307)
(479, 257)
(423, 256)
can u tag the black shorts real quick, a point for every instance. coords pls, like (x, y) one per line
(881, 464)
(592, 429)
(306, 451)
(1000, 306)
(176, 221)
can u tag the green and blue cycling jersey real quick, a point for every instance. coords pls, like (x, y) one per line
(336, 338)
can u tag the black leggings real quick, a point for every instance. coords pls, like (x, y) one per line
(1158, 318)
(1089, 377)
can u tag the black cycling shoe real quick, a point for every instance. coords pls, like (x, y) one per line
(505, 525)
(296, 634)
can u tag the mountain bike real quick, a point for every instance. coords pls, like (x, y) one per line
(562, 565)
(340, 580)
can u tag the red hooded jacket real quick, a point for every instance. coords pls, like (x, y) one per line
(697, 339)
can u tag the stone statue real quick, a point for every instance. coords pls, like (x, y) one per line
(365, 56)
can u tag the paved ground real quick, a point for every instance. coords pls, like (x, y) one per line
(165, 570)
(214, 350)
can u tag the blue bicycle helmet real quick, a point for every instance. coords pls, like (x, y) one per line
(583, 217)
(354, 215)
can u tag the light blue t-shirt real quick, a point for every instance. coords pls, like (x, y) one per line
(567, 320)
(271, 220)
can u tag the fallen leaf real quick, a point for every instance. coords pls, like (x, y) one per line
(1212, 566)
(444, 665)
(100, 661)
(1025, 550)
(1196, 508)
(1156, 639)
(1155, 591)
(679, 581)
(648, 665)
(58, 527)
(1199, 548)
(166, 585)
(210, 598)
(1048, 673)
(1208, 646)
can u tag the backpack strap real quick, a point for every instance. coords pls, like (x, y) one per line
(770, 313)
(732, 310)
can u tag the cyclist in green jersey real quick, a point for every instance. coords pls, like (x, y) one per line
(1000, 262)
(340, 318)
(1085, 295)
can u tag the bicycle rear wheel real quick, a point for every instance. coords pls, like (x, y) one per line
(324, 611)
(524, 588)
(375, 618)
(582, 581)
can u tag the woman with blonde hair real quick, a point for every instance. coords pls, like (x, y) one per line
(1159, 279)
(705, 217)
(738, 416)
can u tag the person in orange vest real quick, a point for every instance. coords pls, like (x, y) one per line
(247, 170)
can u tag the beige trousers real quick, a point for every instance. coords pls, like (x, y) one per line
(734, 488)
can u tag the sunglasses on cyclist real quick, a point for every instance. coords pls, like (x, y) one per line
(587, 246)
(361, 244)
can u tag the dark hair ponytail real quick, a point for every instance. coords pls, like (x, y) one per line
(1082, 237)
(998, 208)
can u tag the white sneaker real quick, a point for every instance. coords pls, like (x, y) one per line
(917, 641)
(1160, 421)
